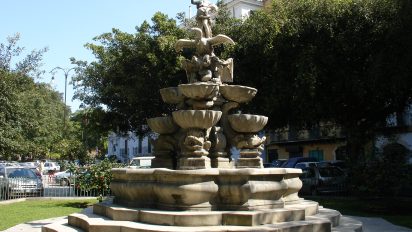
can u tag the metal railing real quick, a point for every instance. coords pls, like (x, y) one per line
(46, 186)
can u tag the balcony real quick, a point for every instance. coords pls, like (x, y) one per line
(322, 132)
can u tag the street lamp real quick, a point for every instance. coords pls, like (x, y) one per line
(66, 74)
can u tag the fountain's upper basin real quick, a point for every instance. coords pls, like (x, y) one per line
(171, 95)
(202, 119)
(247, 123)
(238, 93)
(162, 125)
(206, 189)
(199, 91)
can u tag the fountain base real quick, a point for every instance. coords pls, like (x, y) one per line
(305, 216)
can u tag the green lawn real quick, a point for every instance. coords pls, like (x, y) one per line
(26, 211)
(396, 211)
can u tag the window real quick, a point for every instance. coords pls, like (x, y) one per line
(140, 146)
(317, 154)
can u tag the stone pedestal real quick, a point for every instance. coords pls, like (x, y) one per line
(192, 163)
(163, 159)
(249, 163)
(221, 162)
(249, 158)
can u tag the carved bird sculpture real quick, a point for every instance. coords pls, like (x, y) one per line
(202, 45)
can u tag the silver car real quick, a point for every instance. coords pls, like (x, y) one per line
(65, 178)
(16, 182)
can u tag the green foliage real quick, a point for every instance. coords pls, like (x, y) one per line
(30, 117)
(96, 177)
(340, 61)
(94, 135)
(384, 175)
(29, 65)
(129, 71)
(31, 113)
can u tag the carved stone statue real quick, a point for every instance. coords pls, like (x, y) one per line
(203, 16)
(196, 142)
(202, 44)
(205, 65)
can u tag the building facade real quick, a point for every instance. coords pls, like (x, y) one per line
(241, 9)
(126, 147)
(324, 142)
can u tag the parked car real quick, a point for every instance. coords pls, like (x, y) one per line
(65, 178)
(50, 167)
(291, 163)
(336, 163)
(303, 165)
(141, 162)
(18, 181)
(325, 179)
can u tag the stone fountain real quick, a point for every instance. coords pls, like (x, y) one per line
(194, 185)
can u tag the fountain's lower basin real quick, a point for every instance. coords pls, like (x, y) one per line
(206, 189)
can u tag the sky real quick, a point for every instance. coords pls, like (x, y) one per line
(64, 26)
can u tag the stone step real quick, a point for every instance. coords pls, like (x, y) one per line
(60, 227)
(348, 225)
(94, 223)
(329, 214)
(207, 218)
(156, 220)
(310, 207)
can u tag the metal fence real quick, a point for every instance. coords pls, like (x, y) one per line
(46, 186)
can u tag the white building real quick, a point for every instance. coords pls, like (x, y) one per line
(126, 147)
(241, 8)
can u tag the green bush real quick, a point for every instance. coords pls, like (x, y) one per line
(384, 175)
(96, 178)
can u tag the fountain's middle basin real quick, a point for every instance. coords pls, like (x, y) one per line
(206, 189)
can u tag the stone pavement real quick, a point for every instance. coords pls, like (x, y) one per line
(378, 224)
(369, 225)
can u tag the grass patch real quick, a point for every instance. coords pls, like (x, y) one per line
(26, 211)
(396, 211)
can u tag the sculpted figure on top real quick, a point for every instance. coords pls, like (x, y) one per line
(205, 9)
(205, 65)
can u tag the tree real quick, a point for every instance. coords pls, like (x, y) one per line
(31, 114)
(31, 117)
(94, 135)
(129, 71)
(341, 61)
(29, 65)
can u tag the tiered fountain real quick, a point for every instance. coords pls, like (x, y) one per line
(194, 184)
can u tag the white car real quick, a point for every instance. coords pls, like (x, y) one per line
(141, 162)
(50, 167)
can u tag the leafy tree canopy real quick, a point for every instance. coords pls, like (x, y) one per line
(129, 71)
(31, 113)
(342, 61)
